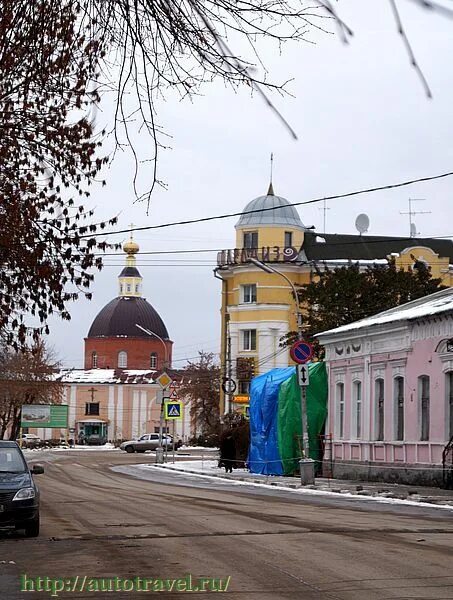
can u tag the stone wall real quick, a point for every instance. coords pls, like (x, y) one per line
(430, 475)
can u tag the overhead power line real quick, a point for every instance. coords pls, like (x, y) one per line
(262, 210)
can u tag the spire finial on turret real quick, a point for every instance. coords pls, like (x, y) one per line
(270, 191)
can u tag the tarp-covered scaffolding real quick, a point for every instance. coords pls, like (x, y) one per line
(275, 419)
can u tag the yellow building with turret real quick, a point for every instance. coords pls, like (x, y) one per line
(258, 307)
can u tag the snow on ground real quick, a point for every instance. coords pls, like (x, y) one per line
(200, 448)
(209, 469)
(77, 447)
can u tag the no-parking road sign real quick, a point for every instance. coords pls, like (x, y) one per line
(301, 352)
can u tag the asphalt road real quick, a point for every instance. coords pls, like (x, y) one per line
(99, 522)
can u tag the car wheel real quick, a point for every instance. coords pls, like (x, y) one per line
(130, 449)
(32, 529)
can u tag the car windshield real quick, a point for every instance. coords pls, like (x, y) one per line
(11, 461)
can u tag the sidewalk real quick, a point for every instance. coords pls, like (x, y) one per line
(397, 492)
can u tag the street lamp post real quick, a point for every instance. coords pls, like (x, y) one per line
(161, 417)
(306, 464)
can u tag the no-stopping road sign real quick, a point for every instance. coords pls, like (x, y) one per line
(301, 352)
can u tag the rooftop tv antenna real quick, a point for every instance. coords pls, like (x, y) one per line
(412, 228)
(325, 208)
(362, 223)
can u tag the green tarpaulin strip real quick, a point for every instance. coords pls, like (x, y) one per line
(289, 416)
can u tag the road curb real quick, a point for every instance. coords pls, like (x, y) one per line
(360, 494)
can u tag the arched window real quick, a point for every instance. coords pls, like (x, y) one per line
(94, 359)
(379, 408)
(449, 388)
(423, 403)
(340, 409)
(153, 360)
(122, 360)
(357, 402)
(398, 402)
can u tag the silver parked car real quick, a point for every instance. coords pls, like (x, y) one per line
(149, 441)
(29, 440)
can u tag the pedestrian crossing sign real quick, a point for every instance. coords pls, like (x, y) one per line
(173, 410)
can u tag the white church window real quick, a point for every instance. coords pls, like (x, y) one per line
(122, 360)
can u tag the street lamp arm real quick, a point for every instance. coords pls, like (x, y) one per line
(151, 333)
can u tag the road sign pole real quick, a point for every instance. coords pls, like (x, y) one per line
(159, 451)
(303, 408)
(306, 464)
(166, 441)
(303, 396)
(174, 427)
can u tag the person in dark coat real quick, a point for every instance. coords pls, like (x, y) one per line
(227, 453)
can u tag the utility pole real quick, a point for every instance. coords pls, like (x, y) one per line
(229, 369)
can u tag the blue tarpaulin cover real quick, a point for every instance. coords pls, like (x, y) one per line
(264, 456)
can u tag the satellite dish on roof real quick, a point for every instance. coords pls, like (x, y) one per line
(413, 230)
(362, 223)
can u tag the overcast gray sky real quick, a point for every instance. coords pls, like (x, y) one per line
(362, 119)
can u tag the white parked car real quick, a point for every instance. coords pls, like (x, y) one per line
(149, 441)
(29, 440)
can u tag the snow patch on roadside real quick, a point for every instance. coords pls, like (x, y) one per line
(187, 466)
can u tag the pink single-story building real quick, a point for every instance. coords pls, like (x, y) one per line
(391, 393)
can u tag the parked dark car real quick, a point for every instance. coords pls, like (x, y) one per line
(19, 495)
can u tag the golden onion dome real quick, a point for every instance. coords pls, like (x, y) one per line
(131, 247)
